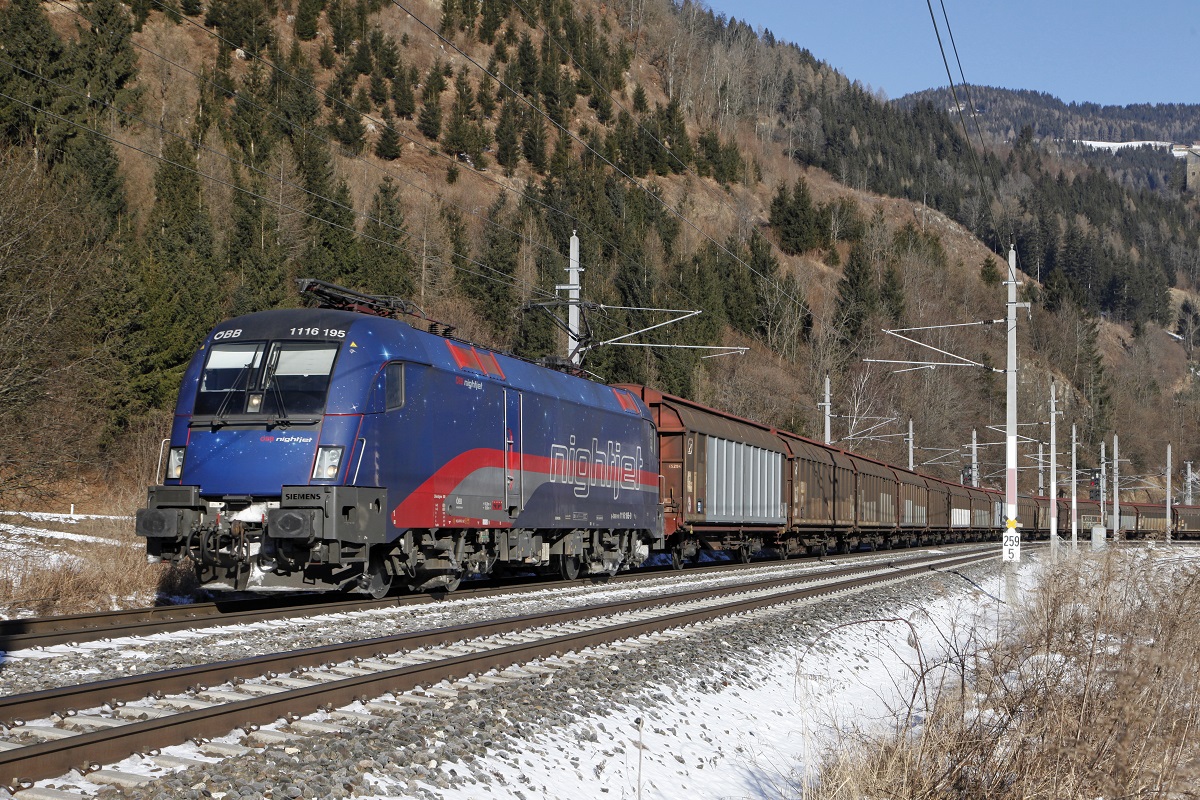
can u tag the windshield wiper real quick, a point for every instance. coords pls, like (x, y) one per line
(283, 419)
(219, 417)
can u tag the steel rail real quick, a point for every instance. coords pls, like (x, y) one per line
(55, 757)
(20, 634)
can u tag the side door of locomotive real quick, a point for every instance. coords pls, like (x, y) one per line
(512, 433)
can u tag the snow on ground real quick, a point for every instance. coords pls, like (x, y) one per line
(15, 535)
(70, 519)
(761, 739)
(1112, 147)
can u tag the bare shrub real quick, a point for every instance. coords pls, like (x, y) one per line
(1090, 692)
(70, 577)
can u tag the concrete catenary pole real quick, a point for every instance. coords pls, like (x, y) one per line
(910, 445)
(975, 458)
(1103, 481)
(1012, 534)
(828, 413)
(573, 353)
(1041, 468)
(1053, 475)
(1168, 492)
(1074, 493)
(1116, 498)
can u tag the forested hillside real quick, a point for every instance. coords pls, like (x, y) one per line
(169, 163)
(1004, 113)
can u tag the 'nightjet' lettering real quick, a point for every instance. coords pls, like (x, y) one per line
(605, 467)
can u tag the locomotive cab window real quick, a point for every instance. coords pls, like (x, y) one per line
(297, 378)
(228, 377)
(277, 380)
(394, 380)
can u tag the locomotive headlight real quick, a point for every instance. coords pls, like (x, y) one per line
(329, 460)
(175, 463)
(254, 404)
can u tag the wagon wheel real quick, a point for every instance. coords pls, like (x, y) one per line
(744, 553)
(677, 559)
(568, 567)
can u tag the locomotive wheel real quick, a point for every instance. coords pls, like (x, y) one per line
(568, 567)
(455, 582)
(677, 559)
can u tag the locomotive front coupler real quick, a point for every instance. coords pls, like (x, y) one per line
(219, 543)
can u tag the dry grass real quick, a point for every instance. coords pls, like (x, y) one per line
(1091, 693)
(71, 577)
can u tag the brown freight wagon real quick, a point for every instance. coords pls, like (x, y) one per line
(723, 479)
(820, 496)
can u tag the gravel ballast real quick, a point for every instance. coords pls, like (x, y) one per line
(470, 745)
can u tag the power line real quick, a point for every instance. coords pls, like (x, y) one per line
(958, 106)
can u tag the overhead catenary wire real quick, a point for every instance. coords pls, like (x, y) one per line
(979, 172)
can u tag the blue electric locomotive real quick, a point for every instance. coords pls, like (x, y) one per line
(332, 449)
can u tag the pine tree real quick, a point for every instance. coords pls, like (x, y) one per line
(891, 294)
(297, 101)
(179, 275)
(325, 56)
(388, 145)
(333, 247)
(250, 128)
(639, 100)
(493, 13)
(402, 95)
(525, 68)
(485, 96)
(363, 63)
(93, 161)
(490, 287)
(106, 61)
(378, 88)
(430, 121)
(386, 265)
(857, 295)
(350, 131)
(459, 128)
(341, 25)
(308, 13)
(533, 142)
(508, 130)
(362, 100)
(387, 57)
(257, 261)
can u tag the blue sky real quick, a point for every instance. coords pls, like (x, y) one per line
(1104, 51)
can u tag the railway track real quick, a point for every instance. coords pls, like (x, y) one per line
(46, 734)
(20, 634)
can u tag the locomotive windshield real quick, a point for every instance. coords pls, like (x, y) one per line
(277, 380)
